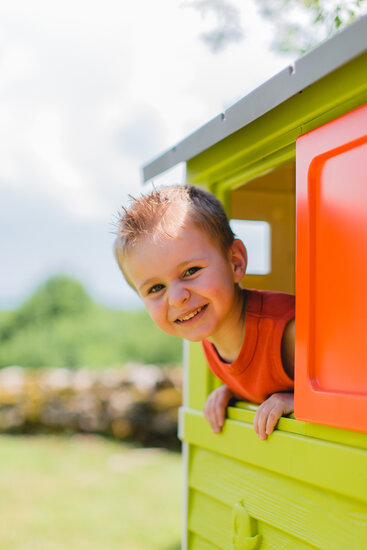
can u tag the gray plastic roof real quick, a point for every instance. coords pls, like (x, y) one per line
(330, 55)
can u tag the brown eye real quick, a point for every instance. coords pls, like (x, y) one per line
(191, 271)
(155, 289)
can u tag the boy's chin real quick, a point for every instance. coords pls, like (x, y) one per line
(194, 339)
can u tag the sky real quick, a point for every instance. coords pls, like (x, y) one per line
(89, 92)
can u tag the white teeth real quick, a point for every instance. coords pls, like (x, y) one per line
(191, 315)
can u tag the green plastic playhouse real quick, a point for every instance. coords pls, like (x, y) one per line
(297, 144)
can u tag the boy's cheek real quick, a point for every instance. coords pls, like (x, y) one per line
(157, 316)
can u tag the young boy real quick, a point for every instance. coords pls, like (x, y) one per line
(176, 249)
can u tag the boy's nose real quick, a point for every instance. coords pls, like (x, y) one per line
(178, 295)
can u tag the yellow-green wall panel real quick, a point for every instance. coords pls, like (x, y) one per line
(306, 512)
(334, 467)
(201, 382)
(195, 542)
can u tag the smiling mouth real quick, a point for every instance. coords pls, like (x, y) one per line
(190, 315)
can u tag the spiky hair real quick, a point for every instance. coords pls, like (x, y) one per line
(147, 217)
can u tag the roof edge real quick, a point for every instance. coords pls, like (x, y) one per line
(319, 62)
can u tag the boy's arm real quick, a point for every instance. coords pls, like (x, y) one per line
(287, 348)
(269, 412)
(266, 417)
(216, 405)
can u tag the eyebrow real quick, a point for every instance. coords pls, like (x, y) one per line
(179, 266)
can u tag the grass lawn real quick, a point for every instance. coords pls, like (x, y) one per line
(87, 493)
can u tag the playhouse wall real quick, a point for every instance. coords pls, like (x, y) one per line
(282, 490)
(306, 486)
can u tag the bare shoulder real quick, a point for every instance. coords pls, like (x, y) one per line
(288, 348)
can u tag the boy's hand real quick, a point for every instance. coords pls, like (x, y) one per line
(269, 412)
(216, 405)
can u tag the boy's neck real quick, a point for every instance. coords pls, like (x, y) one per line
(228, 342)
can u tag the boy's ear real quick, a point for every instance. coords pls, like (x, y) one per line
(238, 259)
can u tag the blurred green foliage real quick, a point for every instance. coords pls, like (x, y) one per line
(299, 25)
(60, 325)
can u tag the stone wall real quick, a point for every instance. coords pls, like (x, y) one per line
(135, 403)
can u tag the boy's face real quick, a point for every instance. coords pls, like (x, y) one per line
(186, 283)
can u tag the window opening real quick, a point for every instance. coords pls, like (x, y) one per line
(256, 235)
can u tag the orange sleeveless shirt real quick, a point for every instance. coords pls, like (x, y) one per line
(258, 370)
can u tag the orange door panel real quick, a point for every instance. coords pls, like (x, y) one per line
(331, 273)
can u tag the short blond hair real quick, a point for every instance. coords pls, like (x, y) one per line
(143, 218)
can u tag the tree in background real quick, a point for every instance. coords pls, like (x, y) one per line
(57, 297)
(302, 24)
(299, 24)
(227, 27)
(60, 325)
